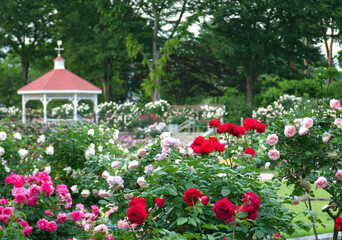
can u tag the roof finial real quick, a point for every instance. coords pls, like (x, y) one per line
(59, 49)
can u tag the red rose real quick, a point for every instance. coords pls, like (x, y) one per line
(205, 200)
(137, 214)
(338, 223)
(213, 139)
(198, 149)
(136, 201)
(198, 141)
(207, 146)
(248, 124)
(214, 123)
(252, 124)
(251, 202)
(251, 215)
(241, 131)
(249, 151)
(222, 128)
(260, 127)
(219, 147)
(191, 196)
(224, 209)
(160, 202)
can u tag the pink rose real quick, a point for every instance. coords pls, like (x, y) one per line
(34, 189)
(339, 175)
(321, 182)
(52, 226)
(62, 217)
(274, 154)
(76, 215)
(24, 224)
(27, 231)
(20, 198)
(101, 228)
(42, 223)
(335, 104)
(326, 137)
(338, 122)
(303, 130)
(129, 196)
(122, 224)
(142, 152)
(272, 139)
(7, 211)
(307, 122)
(290, 131)
(32, 201)
(48, 212)
(3, 201)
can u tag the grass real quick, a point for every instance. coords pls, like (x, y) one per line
(316, 206)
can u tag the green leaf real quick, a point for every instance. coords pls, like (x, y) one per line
(259, 234)
(225, 192)
(181, 220)
(192, 222)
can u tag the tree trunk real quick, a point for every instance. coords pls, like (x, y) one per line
(306, 45)
(25, 67)
(249, 86)
(106, 88)
(155, 55)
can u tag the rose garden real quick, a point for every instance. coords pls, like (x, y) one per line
(79, 181)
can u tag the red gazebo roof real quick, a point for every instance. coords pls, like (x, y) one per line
(59, 79)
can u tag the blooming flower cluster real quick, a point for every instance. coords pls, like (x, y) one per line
(202, 146)
(137, 212)
(226, 210)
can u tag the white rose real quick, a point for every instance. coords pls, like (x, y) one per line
(133, 165)
(41, 139)
(23, 153)
(2, 151)
(100, 148)
(165, 135)
(115, 164)
(50, 150)
(142, 183)
(267, 165)
(85, 193)
(17, 136)
(3, 136)
(91, 132)
(111, 141)
(95, 192)
(74, 189)
(47, 169)
(105, 175)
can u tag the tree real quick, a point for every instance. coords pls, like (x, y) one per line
(25, 25)
(254, 38)
(170, 20)
(192, 73)
(94, 44)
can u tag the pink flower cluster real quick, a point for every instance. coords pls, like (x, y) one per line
(44, 224)
(7, 212)
(64, 195)
(83, 218)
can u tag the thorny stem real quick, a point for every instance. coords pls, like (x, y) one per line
(312, 219)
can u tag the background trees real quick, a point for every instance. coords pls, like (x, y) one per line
(135, 49)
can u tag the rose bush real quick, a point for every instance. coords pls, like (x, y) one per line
(309, 151)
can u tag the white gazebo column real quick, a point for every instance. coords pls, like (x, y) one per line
(45, 108)
(95, 109)
(24, 109)
(75, 103)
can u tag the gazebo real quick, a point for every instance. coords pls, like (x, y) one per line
(59, 84)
